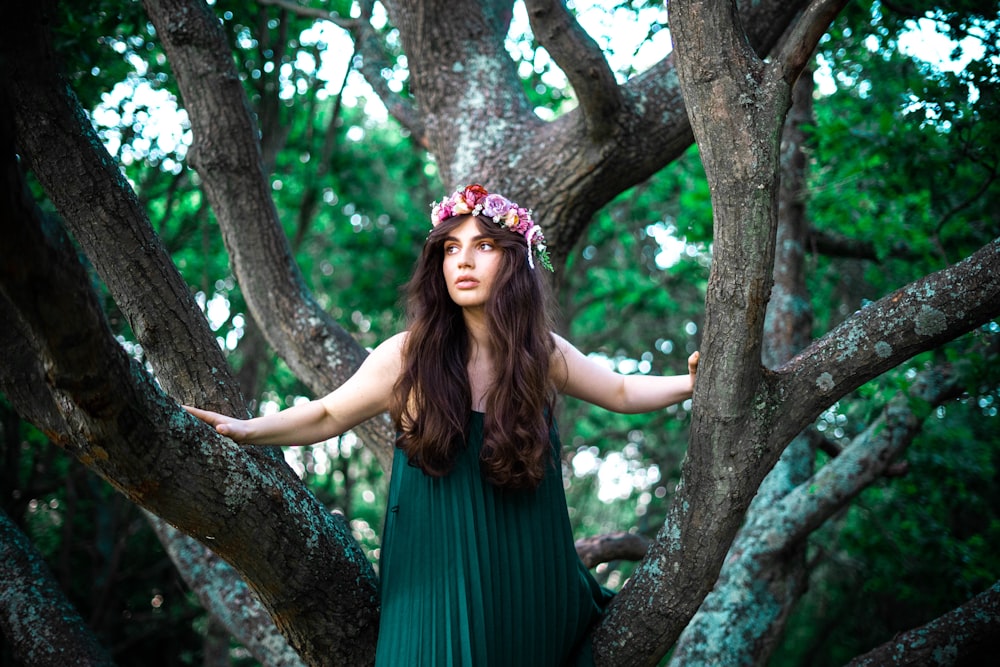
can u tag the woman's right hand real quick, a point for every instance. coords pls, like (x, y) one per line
(231, 427)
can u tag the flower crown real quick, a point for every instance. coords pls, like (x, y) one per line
(475, 200)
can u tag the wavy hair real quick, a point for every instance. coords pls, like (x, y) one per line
(432, 400)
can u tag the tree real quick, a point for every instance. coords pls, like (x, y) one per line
(468, 107)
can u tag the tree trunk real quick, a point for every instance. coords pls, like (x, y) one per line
(480, 127)
(741, 621)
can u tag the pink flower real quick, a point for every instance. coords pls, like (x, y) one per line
(496, 205)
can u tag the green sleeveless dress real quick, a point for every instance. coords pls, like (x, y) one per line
(477, 576)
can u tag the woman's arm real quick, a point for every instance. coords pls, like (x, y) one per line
(364, 395)
(578, 376)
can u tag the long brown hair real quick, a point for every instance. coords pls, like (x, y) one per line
(432, 400)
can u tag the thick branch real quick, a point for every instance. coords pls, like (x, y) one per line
(866, 459)
(22, 378)
(98, 203)
(915, 318)
(797, 49)
(312, 12)
(126, 429)
(835, 245)
(227, 597)
(581, 59)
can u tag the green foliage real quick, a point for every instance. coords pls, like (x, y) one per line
(903, 158)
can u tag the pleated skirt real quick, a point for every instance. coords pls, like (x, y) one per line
(473, 575)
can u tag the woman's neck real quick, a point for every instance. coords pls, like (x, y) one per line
(479, 365)
(475, 324)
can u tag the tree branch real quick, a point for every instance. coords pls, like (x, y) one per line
(227, 597)
(348, 24)
(797, 49)
(97, 203)
(373, 62)
(43, 628)
(868, 457)
(582, 60)
(143, 280)
(966, 635)
(789, 506)
(918, 317)
(121, 425)
(615, 546)
(830, 244)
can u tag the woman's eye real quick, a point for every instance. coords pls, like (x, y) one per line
(486, 245)
(450, 249)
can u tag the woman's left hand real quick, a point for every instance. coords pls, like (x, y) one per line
(693, 366)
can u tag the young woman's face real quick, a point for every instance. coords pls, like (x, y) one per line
(471, 262)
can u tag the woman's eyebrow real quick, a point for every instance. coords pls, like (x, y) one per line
(478, 237)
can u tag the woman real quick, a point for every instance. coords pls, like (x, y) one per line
(478, 565)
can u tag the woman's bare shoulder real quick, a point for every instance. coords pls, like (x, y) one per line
(391, 349)
(396, 340)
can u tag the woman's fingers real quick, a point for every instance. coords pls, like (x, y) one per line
(206, 416)
(222, 423)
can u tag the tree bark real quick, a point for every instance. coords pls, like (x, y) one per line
(920, 316)
(232, 604)
(742, 619)
(96, 202)
(963, 636)
(736, 105)
(617, 546)
(304, 566)
(43, 628)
